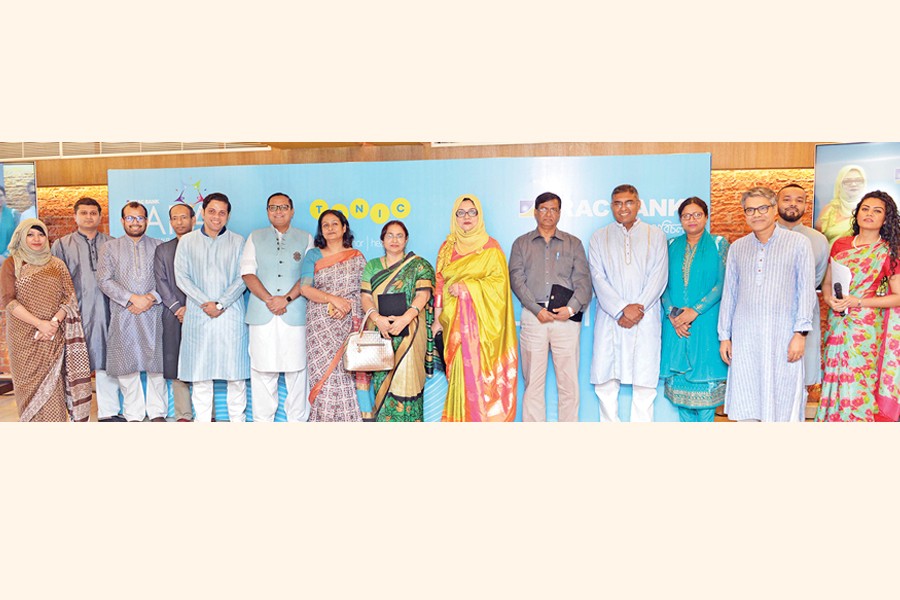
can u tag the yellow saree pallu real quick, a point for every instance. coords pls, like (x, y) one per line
(480, 335)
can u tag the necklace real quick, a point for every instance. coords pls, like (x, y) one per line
(855, 237)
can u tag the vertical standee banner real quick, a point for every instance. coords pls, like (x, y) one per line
(421, 194)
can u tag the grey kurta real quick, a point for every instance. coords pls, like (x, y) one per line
(134, 342)
(172, 299)
(769, 294)
(812, 356)
(81, 257)
(209, 270)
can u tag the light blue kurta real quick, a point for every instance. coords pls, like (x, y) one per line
(133, 342)
(209, 270)
(769, 294)
(812, 356)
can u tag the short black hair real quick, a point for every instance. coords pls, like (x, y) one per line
(625, 188)
(291, 202)
(693, 200)
(134, 204)
(217, 196)
(546, 197)
(87, 202)
(394, 222)
(792, 185)
(348, 235)
(184, 204)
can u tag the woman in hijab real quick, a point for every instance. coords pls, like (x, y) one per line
(473, 308)
(836, 218)
(47, 354)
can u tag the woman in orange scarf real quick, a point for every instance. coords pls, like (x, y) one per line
(473, 307)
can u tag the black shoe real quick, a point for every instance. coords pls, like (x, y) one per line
(115, 419)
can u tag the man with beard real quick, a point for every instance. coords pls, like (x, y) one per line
(134, 340)
(792, 203)
(182, 219)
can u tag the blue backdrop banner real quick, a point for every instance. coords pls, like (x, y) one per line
(421, 194)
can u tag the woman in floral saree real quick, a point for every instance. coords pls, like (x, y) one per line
(47, 354)
(473, 308)
(399, 393)
(862, 346)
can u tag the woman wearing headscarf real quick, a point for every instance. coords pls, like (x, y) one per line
(47, 354)
(835, 221)
(473, 308)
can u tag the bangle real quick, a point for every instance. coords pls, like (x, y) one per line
(859, 303)
(418, 310)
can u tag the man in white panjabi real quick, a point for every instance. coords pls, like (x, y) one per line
(276, 312)
(629, 270)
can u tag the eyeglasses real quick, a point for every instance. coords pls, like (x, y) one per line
(692, 216)
(133, 219)
(547, 210)
(394, 236)
(472, 212)
(854, 181)
(759, 209)
(279, 207)
(619, 204)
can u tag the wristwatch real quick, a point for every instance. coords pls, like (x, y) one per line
(288, 298)
(571, 312)
(803, 333)
(54, 319)
(219, 306)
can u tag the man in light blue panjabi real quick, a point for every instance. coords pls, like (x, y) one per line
(214, 335)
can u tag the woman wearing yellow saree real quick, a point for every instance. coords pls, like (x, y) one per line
(473, 307)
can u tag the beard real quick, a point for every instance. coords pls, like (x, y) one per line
(790, 217)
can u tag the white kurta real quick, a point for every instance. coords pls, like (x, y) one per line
(275, 347)
(627, 267)
(208, 270)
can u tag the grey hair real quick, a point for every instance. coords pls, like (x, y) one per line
(760, 192)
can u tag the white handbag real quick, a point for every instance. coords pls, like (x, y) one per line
(367, 350)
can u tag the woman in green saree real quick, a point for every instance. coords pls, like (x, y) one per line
(399, 286)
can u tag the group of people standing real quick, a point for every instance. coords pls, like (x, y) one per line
(718, 324)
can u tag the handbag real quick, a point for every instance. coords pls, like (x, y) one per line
(367, 350)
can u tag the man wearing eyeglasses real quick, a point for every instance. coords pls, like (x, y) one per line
(792, 203)
(629, 270)
(276, 312)
(80, 251)
(765, 315)
(134, 340)
(545, 262)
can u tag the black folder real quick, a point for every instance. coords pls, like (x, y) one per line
(559, 297)
(393, 305)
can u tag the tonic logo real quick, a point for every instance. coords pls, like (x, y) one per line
(360, 209)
